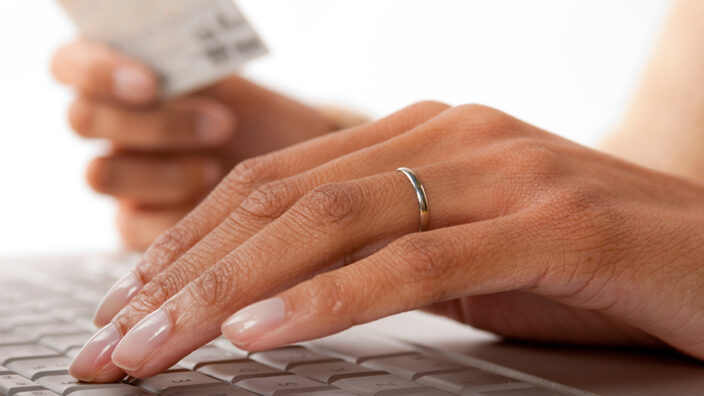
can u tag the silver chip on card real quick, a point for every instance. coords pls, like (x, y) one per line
(190, 43)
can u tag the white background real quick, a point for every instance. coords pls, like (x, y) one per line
(567, 66)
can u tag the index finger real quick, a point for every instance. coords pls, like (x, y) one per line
(102, 71)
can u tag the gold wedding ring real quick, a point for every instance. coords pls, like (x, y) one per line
(422, 198)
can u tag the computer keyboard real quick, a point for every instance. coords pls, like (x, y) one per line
(46, 316)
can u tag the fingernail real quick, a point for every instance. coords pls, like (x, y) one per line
(133, 85)
(254, 321)
(117, 297)
(95, 354)
(140, 342)
(212, 127)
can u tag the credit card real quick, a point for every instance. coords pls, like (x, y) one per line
(189, 43)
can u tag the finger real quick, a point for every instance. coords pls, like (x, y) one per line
(251, 174)
(191, 123)
(268, 202)
(140, 226)
(412, 272)
(329, 225)
(262, 207)
(154, 180)
(241, 182)
(101, 71)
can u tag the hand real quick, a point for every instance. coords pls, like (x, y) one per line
(167, 155)
(531, 236)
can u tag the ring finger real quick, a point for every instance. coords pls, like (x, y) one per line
(329, 225)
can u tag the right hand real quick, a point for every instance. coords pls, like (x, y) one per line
(167, 155)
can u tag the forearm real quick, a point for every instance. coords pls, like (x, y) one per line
(663, 126)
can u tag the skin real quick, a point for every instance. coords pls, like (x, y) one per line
(167, 155)
(531, 236)
(663, 125)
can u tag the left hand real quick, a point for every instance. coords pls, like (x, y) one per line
(531, 236)
(167, 154)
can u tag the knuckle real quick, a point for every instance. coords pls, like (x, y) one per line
(150, 298)
(160, 289)
(128, 317)
(530, 162)
(483, 113)
(427, 106)
(328, 297)
(212, 287)
(539, 160)
(164, 249)
(246, 176)
(253, 171)
(332, 203)
(467, 122)
(424, 257)
(270, 200)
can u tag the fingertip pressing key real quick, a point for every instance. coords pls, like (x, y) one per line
(93, 362)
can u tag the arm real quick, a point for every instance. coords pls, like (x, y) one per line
(663, 126)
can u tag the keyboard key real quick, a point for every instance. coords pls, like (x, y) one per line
(224, 343)
(63, 343)
(3, 370)
(35, 368)
(72, 313)
(173, 381)
(10, 310)
(458, 381)
(330, 392)
(289, 357)
(377, 384)
(413, 366)
(518, 389)
(73, 351)
(13, 339)
(416, 392)
(131, 391)
(209, 355)
(224, 390)
(65, 384)
(333, 371)
(38, 331)
(273, 386)
(13, 383)
(13, 352)
(238, 371)
(29, 319)
(38, 393)
(357, 347)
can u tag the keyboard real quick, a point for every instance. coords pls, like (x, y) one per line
(46, 310)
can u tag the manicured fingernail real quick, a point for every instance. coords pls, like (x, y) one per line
(95, 354)
(133, 85)
(140, 342)
(117, 297)
(211, 127)
(254, 321)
